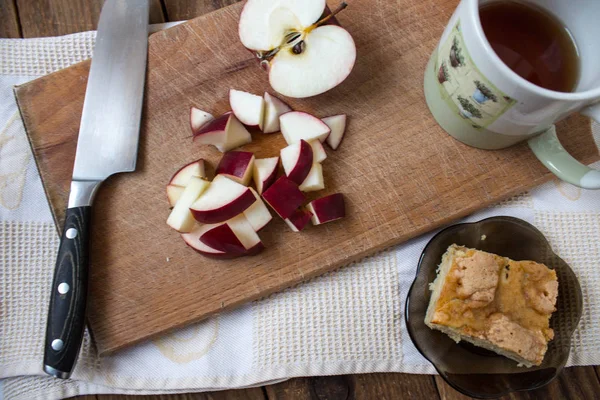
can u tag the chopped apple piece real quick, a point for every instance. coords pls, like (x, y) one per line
(225, 133)
(237, 166)
(297, 160)
(273, 109)
(236, 236)
(247, 107)
(174, 192)
(258, 214)
(319, 154)
(265, 172)
(198, 118)
(284, 197)
(192, 239)
(298, 220)
(181, 219)
(337, 124)
(314, 180)
(223, 200)
(297, 125)
(183, 175)
(327, 209)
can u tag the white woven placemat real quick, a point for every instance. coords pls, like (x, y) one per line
(349, 321)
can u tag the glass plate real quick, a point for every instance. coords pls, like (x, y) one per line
(478, 372)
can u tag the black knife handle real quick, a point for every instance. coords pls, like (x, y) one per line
(66, 314)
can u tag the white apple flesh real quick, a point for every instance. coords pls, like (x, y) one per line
(305, 57)
(224, 199)
(265, 172)
(284, 197)
(174, 192)
(319, 154)
(298, 220)
(273, 109)
(257, 214)
(247, 107)
(297, 160)
(181, 219)
(298, 125)
(183, 175)
(337, 124)
(198, 118)
(314, 180)
(327, 209)
(236, 236)
(225, 133)
(237, 166)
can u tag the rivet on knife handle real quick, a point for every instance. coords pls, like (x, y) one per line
(66, 314)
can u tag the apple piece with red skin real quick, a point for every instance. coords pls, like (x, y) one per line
(297, 159)
(198, 118)
(314, 180)
(327, 209)
(237, 166)
(274, 108)
(235, 236)
(225, 133)
(257, 214)
(298, 125)
(319, 154)
(223, 200)
(174, 192)
(298, 220)
(183, 174)
(192, 239)
(265, 172)
(247, 107)
(181, 219)
(292, 39)
(284, 197)
(337, 124)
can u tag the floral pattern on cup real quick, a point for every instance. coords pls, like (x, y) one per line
(463, 86)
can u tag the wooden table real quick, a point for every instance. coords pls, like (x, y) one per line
(26, 19)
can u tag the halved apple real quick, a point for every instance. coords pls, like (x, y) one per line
(236, 236)
(247, 107)
(265, 172)
(337, 124)
(223, 200)
(297, 160)
(273, 109)
(319, 154)
(284, 197)
(192, 239)
(304, 56)
(174, 192)
(225, 133)
(181, 219)
(314, 180)
(198, 118)
(237, 166)
(327, 209)
(298, 125)
(257, 214)
(183, 175)
(298, 220)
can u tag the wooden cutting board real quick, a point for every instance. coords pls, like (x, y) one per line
(400, 173)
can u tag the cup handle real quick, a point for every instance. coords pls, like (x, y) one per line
(553, 155)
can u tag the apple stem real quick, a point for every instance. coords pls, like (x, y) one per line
(342, 6)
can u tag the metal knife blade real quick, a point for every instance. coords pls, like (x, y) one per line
(107, 144)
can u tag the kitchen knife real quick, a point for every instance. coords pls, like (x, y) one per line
(107, 144)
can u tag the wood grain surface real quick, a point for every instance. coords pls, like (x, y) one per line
(571, 380)
(400, 173)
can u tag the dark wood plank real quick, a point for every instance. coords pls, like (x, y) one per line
(61, 17)
(367, 386)
(9, 20)
(241, 394)
(179, 10)
(573, 383)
